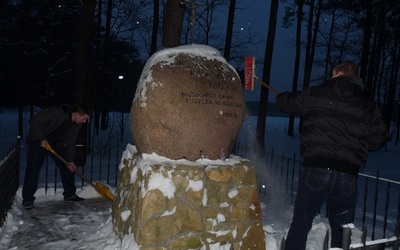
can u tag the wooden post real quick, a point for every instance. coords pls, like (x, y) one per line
(346, 238)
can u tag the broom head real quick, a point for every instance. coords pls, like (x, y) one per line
(249, 65)
(104, 190)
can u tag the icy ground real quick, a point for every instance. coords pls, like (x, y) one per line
(55, 224)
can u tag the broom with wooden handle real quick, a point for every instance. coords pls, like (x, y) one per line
(99, 187)
(249, 76)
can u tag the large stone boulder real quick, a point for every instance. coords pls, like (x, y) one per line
(189, 104)
(166, 204)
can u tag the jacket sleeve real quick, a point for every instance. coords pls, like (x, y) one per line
(377, 134)
(293, 103)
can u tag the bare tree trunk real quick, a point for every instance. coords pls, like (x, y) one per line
(314, 40)
(210, 11)
(296, 60)
(82, 83)
(328, 61)
(377, 48)
(173, 20)
(398, 122)
(380, 78)
(102, 75)
(202, 17)
(96, 87)
(23, 67)
(82, 69)
(156, 19)
(229, 30)
(366, 40)
(389, 105)
(48, 97)
(262, 113)
(311, 43)
(307, 59)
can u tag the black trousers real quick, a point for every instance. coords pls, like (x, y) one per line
(315, 184)
(36, 156)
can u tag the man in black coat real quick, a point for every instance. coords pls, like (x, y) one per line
(340, 126)
(58, 126)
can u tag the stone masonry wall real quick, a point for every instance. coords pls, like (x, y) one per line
(188, 206)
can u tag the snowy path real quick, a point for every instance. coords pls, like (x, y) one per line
(52, 224)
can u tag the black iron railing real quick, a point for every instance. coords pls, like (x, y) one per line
(378, 207)
(9, 180)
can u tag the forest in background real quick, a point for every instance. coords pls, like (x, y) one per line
(58, 51)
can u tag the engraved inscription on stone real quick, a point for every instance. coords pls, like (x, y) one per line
(194, 107)
(225, 101)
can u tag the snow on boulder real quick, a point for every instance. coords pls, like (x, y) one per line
(189, 104)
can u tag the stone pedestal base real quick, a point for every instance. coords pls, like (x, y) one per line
(169, 205)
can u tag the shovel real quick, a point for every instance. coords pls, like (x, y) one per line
(99, 187)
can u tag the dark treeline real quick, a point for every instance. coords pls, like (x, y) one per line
(364, 31)
(45, 59)
(59, 51)
(39, 43)
(93, 52)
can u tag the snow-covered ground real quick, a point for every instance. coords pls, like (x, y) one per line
(276, 214)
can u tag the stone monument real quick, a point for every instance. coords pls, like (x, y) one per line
(189, 104)
(179, 187)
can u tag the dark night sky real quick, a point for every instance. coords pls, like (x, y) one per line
(256, 17)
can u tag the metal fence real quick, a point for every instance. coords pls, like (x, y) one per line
(377, 208)
(378, 205)
(9, 180)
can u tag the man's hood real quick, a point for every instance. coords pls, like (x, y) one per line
(351, 79)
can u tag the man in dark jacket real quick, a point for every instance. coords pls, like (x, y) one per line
(340, 126)
(59, 127)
